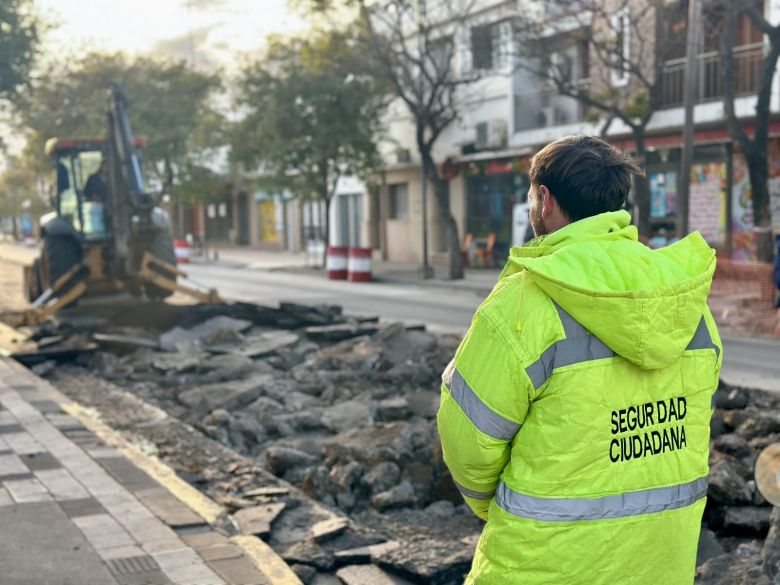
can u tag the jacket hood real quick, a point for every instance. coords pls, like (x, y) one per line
(644, 304)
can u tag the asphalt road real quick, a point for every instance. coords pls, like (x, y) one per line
(750, 362)
(437, 307)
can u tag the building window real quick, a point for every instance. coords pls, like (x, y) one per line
(399, 201)
(441, 52)
(621, 28)
(481, 47)
(491, 45)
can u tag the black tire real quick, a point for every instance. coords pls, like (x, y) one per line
(161, 247)
(62, 253)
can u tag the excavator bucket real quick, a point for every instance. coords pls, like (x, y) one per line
(163, 274)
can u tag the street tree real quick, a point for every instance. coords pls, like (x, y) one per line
(20, 192)
(20, 30)
(412, 45)
(619, 79)
(755, 148)
(170, 104)
(312, 115)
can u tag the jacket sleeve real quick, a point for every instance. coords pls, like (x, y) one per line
(484, 399)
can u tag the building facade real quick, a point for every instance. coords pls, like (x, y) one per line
(510, 112)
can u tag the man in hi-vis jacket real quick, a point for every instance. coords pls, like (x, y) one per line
(575, 415)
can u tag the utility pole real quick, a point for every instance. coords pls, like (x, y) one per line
(689, 97)
(425, 269)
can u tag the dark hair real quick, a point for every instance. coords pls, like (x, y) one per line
(586, 175)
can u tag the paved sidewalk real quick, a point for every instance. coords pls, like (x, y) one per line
(76, 512)
(480, 280)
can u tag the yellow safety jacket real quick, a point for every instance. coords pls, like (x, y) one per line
(575, 415)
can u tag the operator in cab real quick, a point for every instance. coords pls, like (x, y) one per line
(96, 188)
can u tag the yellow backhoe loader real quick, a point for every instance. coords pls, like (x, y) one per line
(106, 233)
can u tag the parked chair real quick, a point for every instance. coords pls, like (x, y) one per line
(484, 256)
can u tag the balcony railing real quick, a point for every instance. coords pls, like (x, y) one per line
(544, 107)
(748, 60)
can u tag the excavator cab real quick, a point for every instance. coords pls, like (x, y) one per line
(76, 161)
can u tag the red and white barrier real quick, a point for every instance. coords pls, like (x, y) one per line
(336, 262)
(359, 265)
(183, 251)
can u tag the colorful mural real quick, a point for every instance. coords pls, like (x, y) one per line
(708, 202)
(743, 244)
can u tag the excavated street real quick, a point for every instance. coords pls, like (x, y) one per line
(318, 433)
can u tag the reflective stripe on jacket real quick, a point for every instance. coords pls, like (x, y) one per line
(575, 414)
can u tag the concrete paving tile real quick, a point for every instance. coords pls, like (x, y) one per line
(168, 507)
(194, 575)
(12, 427)
(163, 546)
(131, 512)
(64, 422)
(186, 567)
(152, 532)
(12, 465)
(128, 474)
(46, 406)
(103, 452)
(146, 578)
(135, 564)
(176, 559)
(220, 552)
(103, 532)
(27, 491)
(23, 443)
(6, 418)
(120, 552)
(41, 461)
(239, 571)
(5, 497)
(98, 524)
(61, 484)
(150, 529)
(82, 507)
(201, 538)
(118, 496)
(16, 476)
(110, 541)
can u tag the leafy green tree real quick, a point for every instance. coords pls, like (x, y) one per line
(19, 41)
(312, 115)
(169, 105)
(20, 192)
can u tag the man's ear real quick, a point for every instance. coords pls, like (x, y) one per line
(549, 204)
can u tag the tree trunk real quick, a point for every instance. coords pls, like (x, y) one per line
(642, 185)
(758, 167)
(326, 222)
(441, 192)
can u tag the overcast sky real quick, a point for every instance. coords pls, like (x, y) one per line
(214, 31)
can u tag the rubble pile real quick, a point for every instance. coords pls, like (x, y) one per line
(740, 541)
(352, 422)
